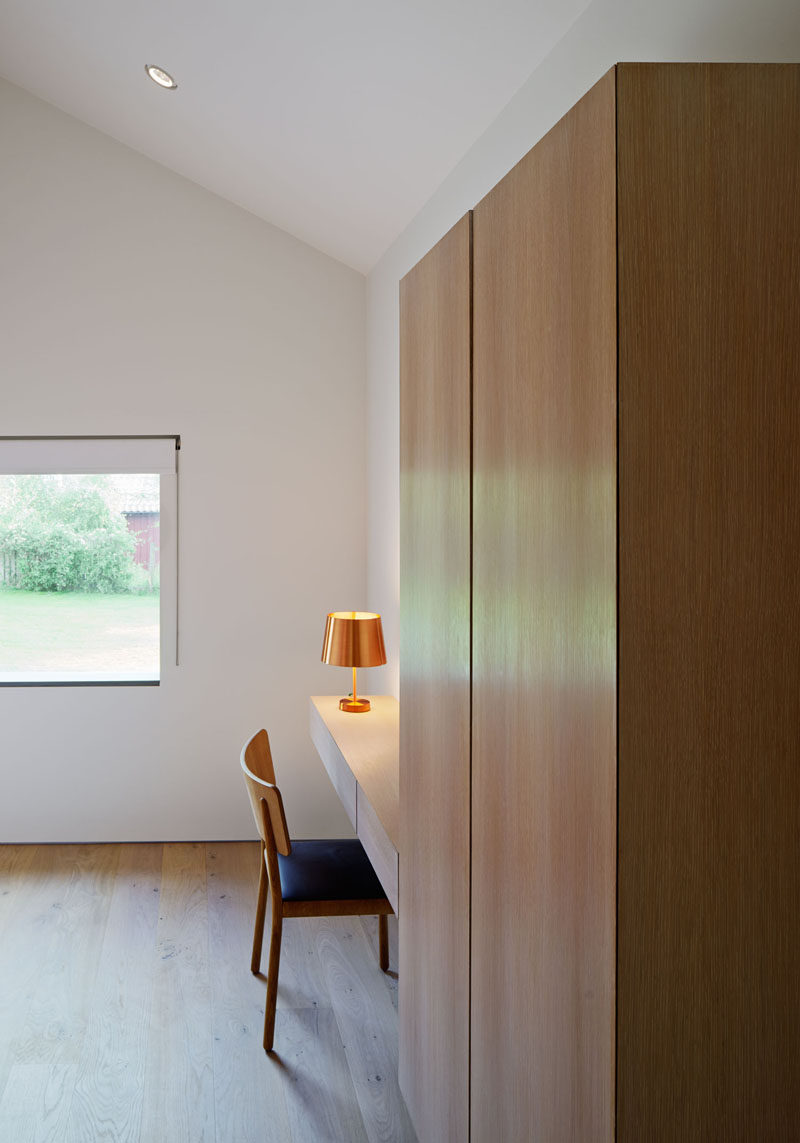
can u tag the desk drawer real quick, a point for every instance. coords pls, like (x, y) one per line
(378, 848)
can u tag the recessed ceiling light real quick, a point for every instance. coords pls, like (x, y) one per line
(161, 77)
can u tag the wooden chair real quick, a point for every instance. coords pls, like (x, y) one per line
(330, 878)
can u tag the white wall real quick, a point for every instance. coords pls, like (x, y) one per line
(607, 32)
(132, 301)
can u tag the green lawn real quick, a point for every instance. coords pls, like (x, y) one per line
(106, 636)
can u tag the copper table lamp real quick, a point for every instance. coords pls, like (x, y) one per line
(353, 639)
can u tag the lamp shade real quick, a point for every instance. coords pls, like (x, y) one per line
(353, 639)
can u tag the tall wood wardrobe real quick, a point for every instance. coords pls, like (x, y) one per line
(600, 629)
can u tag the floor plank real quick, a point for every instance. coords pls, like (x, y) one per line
(108, 1099)
(301, 980)
(319, 1089)
(179, 1081)
(365, 1015)
(248, 1092)
(27, 887)
(15, 865)
(31, 1105)
(45, 1051)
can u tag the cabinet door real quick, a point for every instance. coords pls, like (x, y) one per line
(544, 640)
(435, 383)
(709, 768)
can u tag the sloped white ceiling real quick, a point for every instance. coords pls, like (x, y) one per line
(333, 119)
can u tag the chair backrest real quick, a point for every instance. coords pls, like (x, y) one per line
(265, 797)
(258, 756)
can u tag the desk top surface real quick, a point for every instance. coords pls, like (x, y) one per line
(369, 744)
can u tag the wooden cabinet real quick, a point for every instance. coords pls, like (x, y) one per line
(600, 648)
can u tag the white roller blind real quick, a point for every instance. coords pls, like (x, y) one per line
(87, 455)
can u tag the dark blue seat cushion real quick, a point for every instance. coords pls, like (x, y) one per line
(329, 870)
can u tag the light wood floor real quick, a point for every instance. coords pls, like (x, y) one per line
(128, 1010)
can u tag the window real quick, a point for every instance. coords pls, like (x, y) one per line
(87, 545)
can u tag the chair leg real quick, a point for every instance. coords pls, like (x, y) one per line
(383, 942)
(272, 975)
(261, 909)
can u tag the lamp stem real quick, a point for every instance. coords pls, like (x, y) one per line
(355, 696)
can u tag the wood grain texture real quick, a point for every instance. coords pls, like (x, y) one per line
(435, 384)
(378, 848)
(249, 1099)
(340, 774)
(15, 865)
(179, 1078)
(363, 1008)
(544, 656)
(60, 970)
(709, 877)
(109, 1083)
(85, 996)
(18, 913)
(319, 1095)
(369, 749)
(33, 884)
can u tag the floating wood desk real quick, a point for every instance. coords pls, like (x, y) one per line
(361, 754)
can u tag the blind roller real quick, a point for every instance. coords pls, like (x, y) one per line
(21, 457)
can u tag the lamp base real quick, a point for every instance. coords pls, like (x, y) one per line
(354, 706)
